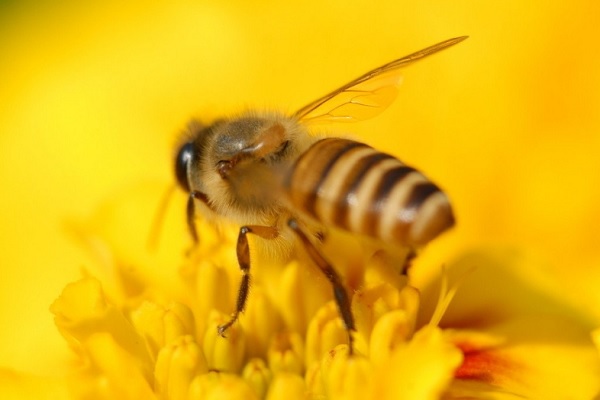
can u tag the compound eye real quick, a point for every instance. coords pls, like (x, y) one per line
(182, 163)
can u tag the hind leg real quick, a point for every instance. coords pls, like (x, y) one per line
(339, 292)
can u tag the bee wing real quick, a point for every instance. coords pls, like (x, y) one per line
(367, 95)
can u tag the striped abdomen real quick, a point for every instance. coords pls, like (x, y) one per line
(352, 186)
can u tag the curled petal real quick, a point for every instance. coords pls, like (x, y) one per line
(317, 377)
(287, 386)
(348, 377)
(373, 305)
(370, 304)
(325, 332)
(80, 305)
(224, 354)
(286, 353)
(314, 381)
(218, 386)
(177, 365)
(258, 376)
(161, 325)
(390, 331)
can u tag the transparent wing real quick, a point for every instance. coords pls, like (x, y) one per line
(367, 95)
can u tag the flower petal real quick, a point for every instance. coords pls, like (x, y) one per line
(82, 311)
(528, 357)
(421, 369)
(112, 372)
(517, 336)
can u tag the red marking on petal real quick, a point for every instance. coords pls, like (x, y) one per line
(485, 365)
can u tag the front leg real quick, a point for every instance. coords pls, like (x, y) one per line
(243, 256)
(191, 212)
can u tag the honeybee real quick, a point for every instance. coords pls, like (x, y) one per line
(266, 172)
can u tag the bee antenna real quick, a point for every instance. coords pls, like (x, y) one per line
(159, 218)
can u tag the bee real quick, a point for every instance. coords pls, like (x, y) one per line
(267, 173)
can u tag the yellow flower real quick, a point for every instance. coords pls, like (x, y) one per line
(513, 341)
(171, 360)
(507, 123)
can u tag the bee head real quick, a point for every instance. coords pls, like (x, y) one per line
(182, 165)
(190, 151)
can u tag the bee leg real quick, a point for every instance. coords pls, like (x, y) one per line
(412, 254)
(243, 255)
(339, 292)
(191, 212)
(191, 222)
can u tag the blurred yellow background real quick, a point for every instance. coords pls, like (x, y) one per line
(92, 96)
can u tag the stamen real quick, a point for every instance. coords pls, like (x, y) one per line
(446, 296)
